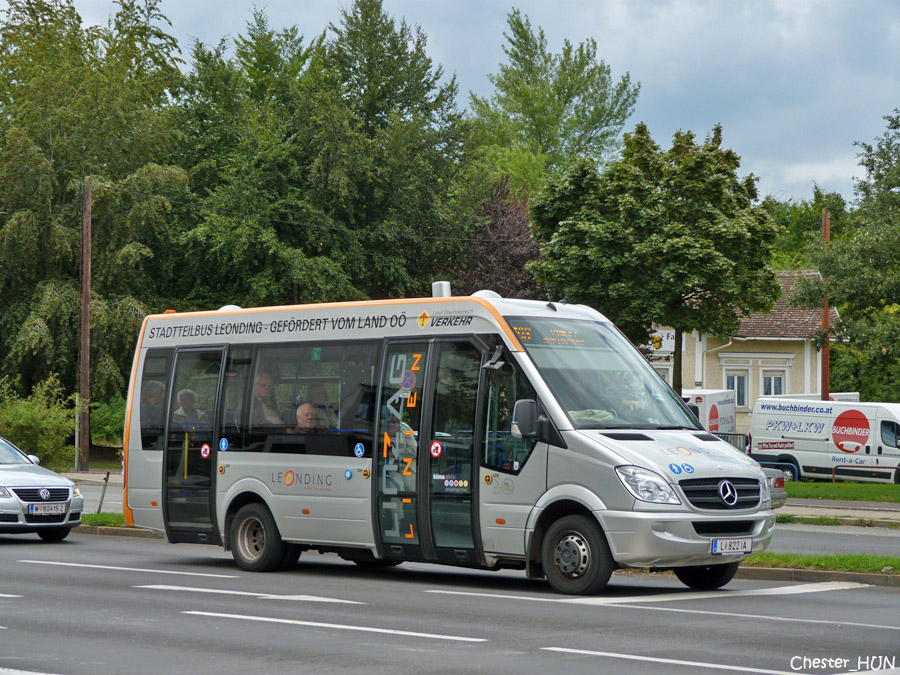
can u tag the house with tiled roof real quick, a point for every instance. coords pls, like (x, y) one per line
(772, 353)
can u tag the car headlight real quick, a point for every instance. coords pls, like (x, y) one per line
(76, 491)
(4, 492)
(647, 486)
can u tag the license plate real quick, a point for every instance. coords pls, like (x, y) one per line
(731, 546)
(44, 509)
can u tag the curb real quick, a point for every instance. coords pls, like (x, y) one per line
(853, 521)
(790, 574)
(125, 531)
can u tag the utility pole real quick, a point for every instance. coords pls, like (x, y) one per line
(84, 347)
(826, 317)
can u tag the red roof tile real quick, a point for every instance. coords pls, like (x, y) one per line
(785, 320)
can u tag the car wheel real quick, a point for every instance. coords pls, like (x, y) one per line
(255, 542)
(575, 556)
(54, 533)
(791, 471)
(706, 577)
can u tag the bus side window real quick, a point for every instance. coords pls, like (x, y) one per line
(157, 365)
(504, 387)
(234, 420)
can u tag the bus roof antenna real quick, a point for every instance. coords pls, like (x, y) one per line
(440, 289)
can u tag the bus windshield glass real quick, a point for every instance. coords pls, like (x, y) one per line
(598, 377)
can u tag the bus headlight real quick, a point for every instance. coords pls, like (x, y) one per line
(647, 486)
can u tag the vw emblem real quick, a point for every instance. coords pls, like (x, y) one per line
(45, 494)
(728, 493)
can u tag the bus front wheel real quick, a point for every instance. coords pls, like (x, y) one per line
(576, 557)
(255, 542)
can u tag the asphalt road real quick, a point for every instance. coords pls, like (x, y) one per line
(94, 604)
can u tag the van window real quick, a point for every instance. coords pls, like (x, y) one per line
(890, 432)
(503, 388)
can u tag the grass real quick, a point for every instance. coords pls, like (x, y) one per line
(839, 562)
(103, 519)
(845, 490)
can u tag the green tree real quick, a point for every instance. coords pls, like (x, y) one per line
(74, 101)
(801, 226)
(859, 273)
(549, 108)
(668, 237)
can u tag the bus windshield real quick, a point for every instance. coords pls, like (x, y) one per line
(598, 377)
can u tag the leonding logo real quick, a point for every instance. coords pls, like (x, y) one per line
(728, 493)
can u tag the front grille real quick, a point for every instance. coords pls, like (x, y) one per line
(704, 492)
(57, 494)
(48, 518)
(724, 529)
(75, 515)
(9, 518)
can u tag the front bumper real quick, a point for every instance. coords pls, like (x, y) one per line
(15, 516)
(658, 539)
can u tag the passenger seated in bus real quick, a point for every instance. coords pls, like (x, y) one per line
(307, 420)
(188, 412)
(262, 410)
(151, 406)
(328, 418)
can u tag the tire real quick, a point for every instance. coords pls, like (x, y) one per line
(575, 556)
(792, 472)
(291, 556)
(706, 577)
(255, 542)
(54, 533)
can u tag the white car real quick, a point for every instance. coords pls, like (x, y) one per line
(35, 499)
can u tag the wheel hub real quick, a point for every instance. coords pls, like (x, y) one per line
(572, 556)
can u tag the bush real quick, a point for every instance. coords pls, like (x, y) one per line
(108, 421)
(39, 424)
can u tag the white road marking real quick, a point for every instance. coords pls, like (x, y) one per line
(337, 626)
(131, 569)
(8, 595)
(10, 671)
(675, 662)
(261, 596)
(670, 597)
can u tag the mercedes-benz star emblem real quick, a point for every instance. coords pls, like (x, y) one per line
(45, 494)
(728, 493)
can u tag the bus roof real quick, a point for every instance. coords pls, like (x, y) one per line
(483, 312)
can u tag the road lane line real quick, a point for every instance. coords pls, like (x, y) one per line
(336, 626)
(10, 671)
(670, 597)
(131, 569)
(670, 662)
(261, 596)
(9, 595)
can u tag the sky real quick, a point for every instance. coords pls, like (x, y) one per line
(794, 83)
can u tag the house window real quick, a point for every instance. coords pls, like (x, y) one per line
(665, 372)
(736, 381)
(773, 383)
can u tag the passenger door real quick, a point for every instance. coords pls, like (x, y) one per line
(427, 436)
(190, 451)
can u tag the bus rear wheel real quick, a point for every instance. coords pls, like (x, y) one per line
(706, 577)
(255, 542)
(575, 556)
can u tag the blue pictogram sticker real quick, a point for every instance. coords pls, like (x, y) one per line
(359, 450)
(687, 468)
(409, 380)
(674, 468)
(348, 474)
(223, 444)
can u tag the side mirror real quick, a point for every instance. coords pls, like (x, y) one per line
(524, 424)
(695, 410)
(35, 459)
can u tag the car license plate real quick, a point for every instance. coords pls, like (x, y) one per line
(44, 509)
(731, 546)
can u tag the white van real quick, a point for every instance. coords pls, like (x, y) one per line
(850, 440)
(716, 407)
